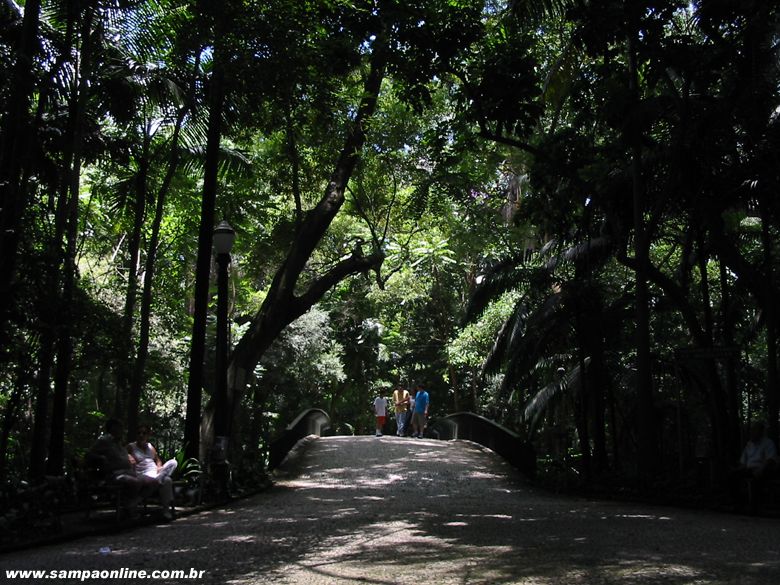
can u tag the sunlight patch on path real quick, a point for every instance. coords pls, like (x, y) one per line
(419, 512)
(403, 551)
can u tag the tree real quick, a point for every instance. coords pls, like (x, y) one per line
(386, 37)
(208, 204)
(17, 129)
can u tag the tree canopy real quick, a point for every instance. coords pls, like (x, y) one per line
(560, 215)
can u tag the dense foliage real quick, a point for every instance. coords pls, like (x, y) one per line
(560, 215)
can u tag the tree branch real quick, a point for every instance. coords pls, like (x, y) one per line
(313, 229)
(281, 307)
(674, 292)
(484, 132)
(355, 264)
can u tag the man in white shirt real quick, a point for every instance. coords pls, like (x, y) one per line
(759, 462)
(148, 465)
(759, 455)
(108, 456)
(380, 411)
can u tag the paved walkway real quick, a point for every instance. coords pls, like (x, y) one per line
(408, 511)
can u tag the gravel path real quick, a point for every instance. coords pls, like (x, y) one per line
(389, 510)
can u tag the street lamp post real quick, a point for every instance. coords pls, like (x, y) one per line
(224, 235)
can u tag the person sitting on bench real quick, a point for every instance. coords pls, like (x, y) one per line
(757, 464)
(148, 464)
(108, 455)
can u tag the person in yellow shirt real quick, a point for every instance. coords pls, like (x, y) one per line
(401, 401)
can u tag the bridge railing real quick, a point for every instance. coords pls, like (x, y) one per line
(313, 421)
(505, 442)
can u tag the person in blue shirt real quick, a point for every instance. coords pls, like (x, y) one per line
(420, 415)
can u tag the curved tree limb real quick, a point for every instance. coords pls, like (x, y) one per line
(281, 306)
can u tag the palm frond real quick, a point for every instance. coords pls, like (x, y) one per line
(547, 248)
(146, 29)
(231, 161)
(121, 193)
(526, 338)
(593, 250)
(545, 325)
(534, 10)
(503, 276)
(508, 330)
(195, 128)
(10, 11)
(569, 381)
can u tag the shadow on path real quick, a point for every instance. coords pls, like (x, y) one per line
(390, 510)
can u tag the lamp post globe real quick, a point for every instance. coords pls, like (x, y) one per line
(224, 236)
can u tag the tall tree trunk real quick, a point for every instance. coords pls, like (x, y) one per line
(581, 302)
(255, 432)
(711, 387)
(457, 390)
(648, 448)
(594, 347)
(732, 389)
(599, 382)
(203, 265)
(613, 426)
(295, 164)
(762, 288)
(720, 425)
(582, 415)
(139, 371)
(10, 413)
(56, 461)
(772, 386)
(51, 292)
(126, 356)
(64, 344)
(43, 390)
(15, 148)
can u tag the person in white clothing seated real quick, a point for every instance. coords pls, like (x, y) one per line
(147, 463)
(759, 457)
(108, 458)
(758, 463)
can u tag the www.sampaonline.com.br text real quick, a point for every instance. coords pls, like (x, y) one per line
(102, 575)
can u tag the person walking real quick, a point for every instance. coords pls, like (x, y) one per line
(420, 415)
(401, 400)
(380, 412)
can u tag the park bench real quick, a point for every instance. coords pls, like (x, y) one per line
(764, 496)
(97, 488)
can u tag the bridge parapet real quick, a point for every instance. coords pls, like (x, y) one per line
(313, 421)
(496, 437)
